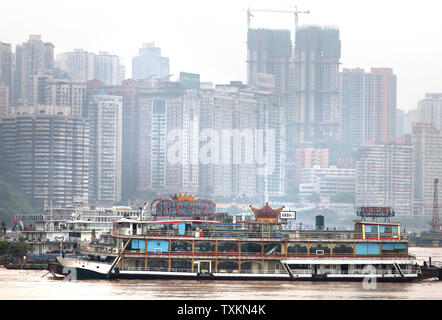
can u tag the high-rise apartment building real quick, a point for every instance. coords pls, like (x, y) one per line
(430, 109)
(6, 65)
(400, 122)
(168, 140)
(36, 88)
(382, 109)
(384, 175)
(122, 74)
(354, 88)
(427, 143)
(105, 116)
(410, 117)
(242, 147)
(4, 101)
(49, 150)
(308, 157)
(67, 93)
(31, 57)
(149, 64)
(316, 58)
(131, 92)
(107, 68)
(367, 102)
(78, 64)
(270, 160)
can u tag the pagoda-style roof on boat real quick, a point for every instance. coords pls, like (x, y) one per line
(267, 213)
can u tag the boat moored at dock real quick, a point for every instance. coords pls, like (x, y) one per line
(186, 239)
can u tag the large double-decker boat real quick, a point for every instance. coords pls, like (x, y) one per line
(185, 238)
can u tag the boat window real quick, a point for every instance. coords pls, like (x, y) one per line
(385, 231)
(272, 248)
(272, 267)
(342, 248)
(299, 266)
(227, 247)
(297, 248)
(181, 246)
(154, 228)
(204, 246)
(251, 248)
(183, 264)
(227, 266)
(367, 248)
(404, 266)
(371, 231)
(158, 246)
(255, 228)
(324, 246)
(160, 264)
(251, 267)
(138, 244)
(393, 248)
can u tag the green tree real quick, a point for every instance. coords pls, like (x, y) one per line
(3, 248)
(19, 249)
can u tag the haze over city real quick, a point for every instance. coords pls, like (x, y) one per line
(209, 37)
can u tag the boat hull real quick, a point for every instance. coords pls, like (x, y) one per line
(81, 270)
(213, 277)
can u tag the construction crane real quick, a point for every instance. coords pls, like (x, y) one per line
(296, 12)
(435, 222)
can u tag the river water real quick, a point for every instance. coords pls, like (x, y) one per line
(36, 285)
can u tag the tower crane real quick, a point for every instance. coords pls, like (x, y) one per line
(296, 12)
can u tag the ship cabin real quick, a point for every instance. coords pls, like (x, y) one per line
(372, 230)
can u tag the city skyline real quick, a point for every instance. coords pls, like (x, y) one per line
(296, 96)
(367, 33)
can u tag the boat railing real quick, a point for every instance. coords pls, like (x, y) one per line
(98, 249)
(285, 234)
(354, 272)
(220, 270)
(156, 269)
(239, 233)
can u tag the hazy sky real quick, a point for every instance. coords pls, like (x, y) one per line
(209, 37)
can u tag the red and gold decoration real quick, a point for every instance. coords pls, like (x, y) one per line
(267, 213)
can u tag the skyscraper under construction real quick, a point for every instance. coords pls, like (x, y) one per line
(269, 53)
(315, 84)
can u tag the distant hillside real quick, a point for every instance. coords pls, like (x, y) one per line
(12, 199)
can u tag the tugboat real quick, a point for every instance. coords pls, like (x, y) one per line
(184, 238)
